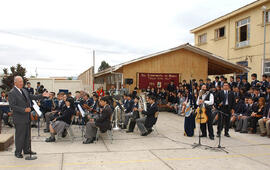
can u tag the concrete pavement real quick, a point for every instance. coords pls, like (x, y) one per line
(167, 149)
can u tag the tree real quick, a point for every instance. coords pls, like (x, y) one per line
(104, 65)
(8, 79)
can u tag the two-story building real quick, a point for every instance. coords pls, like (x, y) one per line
(239, 36)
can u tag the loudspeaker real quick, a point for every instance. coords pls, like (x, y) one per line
(129, 81)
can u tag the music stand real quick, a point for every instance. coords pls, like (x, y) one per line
(219, 147)
(83, 117)
(38, 112)
(199, 144)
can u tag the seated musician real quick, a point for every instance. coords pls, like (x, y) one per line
(245, 117)
(45, 105)
(6, 113)
(264, 122)
(87, 100)
(237, 110)
(135, 115)
(258, 114)
(146, 123)
(128, 110)
(60, 123)
(94, 106)
(49, 116)
(103, 122)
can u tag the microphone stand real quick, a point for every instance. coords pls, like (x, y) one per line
(30, 157)
(219, 147)
(195, 145)
(38, 126)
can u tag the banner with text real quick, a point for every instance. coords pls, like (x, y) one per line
(157, 80)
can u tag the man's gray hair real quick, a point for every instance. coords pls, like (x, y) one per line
(16, 78)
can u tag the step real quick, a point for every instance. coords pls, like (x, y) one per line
(5, 141)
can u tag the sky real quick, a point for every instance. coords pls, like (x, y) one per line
(56, 38)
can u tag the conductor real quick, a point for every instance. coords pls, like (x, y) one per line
(20, 103)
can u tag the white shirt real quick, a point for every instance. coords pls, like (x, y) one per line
(226, 93)
(18, 89)
(208, 102)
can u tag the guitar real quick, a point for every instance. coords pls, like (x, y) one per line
(201, 116)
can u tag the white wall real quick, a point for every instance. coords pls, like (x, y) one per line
(54, 85)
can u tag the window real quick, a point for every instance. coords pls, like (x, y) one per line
(267, 17)
(242, 33)
(202, 39)
(245, 64)
(267, 67)
(220, 33)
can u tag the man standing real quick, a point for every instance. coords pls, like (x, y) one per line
(226, 103)
(206, 98)
(29, 88)
(20, 103)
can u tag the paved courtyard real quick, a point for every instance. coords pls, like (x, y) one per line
(167, 149)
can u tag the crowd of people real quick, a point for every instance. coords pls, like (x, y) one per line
(62, 109)
(245, 106)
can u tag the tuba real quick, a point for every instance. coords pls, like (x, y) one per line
(142, 103)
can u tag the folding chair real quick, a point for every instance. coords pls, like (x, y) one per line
(109, 132)
(69, 132)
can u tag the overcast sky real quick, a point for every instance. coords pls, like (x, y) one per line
(57, 37)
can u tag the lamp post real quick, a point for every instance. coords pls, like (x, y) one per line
(264, 38)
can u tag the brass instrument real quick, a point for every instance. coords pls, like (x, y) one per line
(115, 122)
(142, 103)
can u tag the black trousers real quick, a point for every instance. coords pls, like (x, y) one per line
(22, 137)
(209, 124)
(253, 123)
(0, 121)
(5, 118)
(132, 122)
(225, 120)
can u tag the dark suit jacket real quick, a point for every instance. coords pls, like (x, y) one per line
(214, 83)
(150, 115)
(104, 121)
(30, 91)
(246, 86)
(250, 110)
(18, 104)
(239, 107)
(254, 83)
(66, 115)
(266, 110)
(231, 99)
(129, 106)
(239, 84)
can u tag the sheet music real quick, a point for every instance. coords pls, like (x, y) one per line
(36, 108)
(81, 110)
(4, 103)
